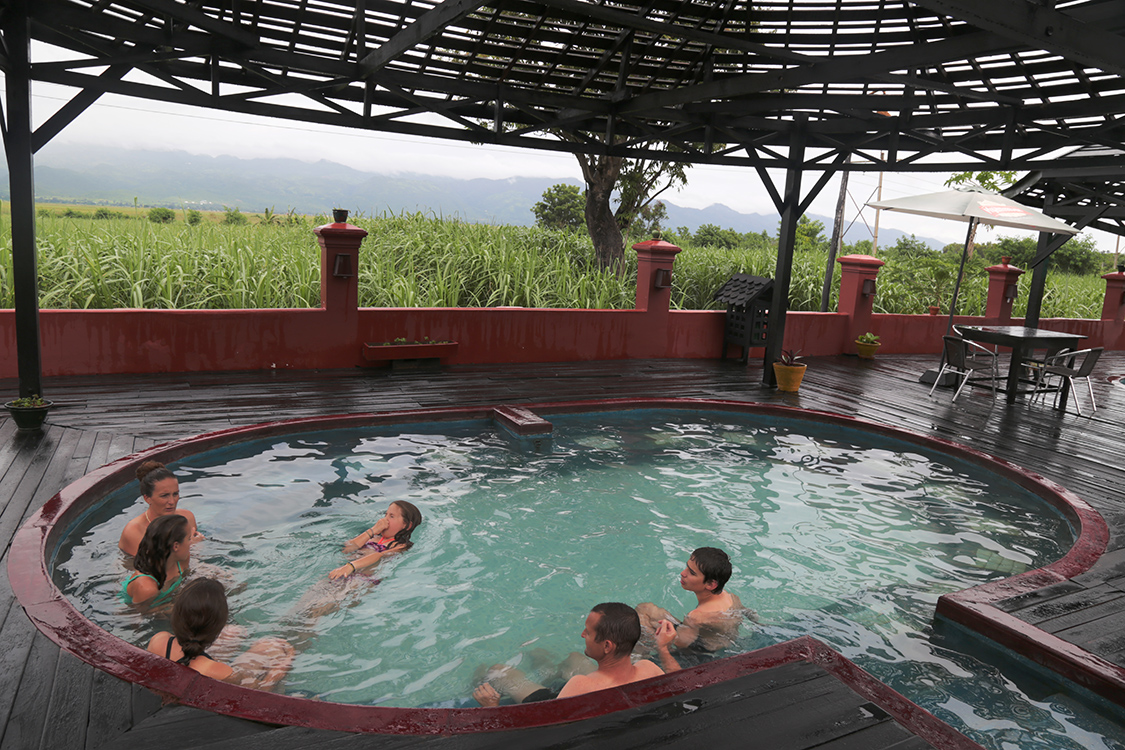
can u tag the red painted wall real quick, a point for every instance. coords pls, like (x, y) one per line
(84, 342)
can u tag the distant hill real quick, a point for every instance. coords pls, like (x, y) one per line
(109, 176)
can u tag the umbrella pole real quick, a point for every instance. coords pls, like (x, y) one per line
(957, 284)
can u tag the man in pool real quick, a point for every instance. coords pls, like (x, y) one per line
(713, 624)
(611, 631)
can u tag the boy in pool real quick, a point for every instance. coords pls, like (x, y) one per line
(713, 624)
(611, 631)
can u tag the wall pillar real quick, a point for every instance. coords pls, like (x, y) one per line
(857, 295)
(655, 259)
(1003, 285)
(1113, 308)
(339, 265)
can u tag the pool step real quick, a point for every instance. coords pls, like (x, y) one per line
(524, 427)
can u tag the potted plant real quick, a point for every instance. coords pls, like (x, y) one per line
(788, 371)
(866, 345)
(29, 411)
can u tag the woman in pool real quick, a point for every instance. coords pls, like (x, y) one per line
(161, 491)
(389, 535)
(198, 618)
(161, 562)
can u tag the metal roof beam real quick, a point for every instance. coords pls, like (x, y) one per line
(424, 27)
(1039, 26)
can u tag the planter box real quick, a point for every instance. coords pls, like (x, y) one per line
(408, 352)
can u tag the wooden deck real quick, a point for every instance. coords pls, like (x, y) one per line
(52, 700)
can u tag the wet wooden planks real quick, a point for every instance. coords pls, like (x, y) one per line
(49, 699)
(792, 707)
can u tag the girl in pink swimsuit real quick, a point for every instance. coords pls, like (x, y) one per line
(389, 535)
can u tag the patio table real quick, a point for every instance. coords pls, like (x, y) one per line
(1022, 342)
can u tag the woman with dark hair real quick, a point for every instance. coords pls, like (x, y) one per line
(389, 535)
(161, 562)
(198, 618)
(161, 492)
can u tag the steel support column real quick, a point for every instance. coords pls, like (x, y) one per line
(21, 176)
(1039, 272)
(786, 238)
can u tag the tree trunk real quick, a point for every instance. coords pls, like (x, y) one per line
(601, 174)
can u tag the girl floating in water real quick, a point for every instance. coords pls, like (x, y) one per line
(161, 491)
(389, 535)
(161, 562)
(198, 618)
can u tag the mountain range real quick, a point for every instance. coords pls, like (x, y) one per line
(177, 179)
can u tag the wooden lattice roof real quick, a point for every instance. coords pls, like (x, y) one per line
(926, 85)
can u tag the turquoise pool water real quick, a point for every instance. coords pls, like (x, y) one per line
(834, 532)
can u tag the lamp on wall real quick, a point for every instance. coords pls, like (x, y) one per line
(342, 266)
(1011, 291)
(868, 289)
(662, 279)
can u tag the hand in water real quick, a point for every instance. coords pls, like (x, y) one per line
(665, 634)
(341, 572)
(486, 695)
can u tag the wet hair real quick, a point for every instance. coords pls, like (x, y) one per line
(714, 564)
(198, 616)
(151, 472)
(156, 546)
(413, 518)
(620, 624)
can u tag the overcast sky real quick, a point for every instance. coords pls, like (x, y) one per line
(150, 125)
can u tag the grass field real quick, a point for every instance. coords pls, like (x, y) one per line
(414, 260)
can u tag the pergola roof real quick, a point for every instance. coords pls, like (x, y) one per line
(932, 84)
(1080, 195)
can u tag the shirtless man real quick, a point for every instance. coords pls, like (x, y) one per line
(611, 631)
(713, 624)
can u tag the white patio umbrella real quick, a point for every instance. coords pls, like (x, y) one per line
(975, 206)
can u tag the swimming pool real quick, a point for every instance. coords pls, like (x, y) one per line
(789, 507)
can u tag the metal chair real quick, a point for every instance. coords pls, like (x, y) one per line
(1057, 366)
(966, 357)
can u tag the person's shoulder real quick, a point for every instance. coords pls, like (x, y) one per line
(130, 536)
(216, 670)
(645, 669)
(159, 642)
(186, 514)
(142, 588)
(579, 684)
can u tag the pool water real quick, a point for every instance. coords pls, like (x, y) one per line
(837, 533)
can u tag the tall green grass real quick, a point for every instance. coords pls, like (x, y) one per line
(414, 260)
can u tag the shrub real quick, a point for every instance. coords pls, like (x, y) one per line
(193, 217)
(161, 215)
(234, 217)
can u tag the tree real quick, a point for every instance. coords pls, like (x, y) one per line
(194, 217)
(561, 207)
(650, 220)
(809, 234)
(709, 235)
(992, 181)
(161, 215)
(638, 183)
(910, 247)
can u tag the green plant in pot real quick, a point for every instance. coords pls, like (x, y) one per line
(866, 345)
(789, 371)
(28, 412)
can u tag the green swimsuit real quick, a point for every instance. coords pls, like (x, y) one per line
(160, 597)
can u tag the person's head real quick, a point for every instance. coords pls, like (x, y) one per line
(402, 518)
(708, 569)
(166, 537)
(159, 487)
(612, 629)
(198, 616)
